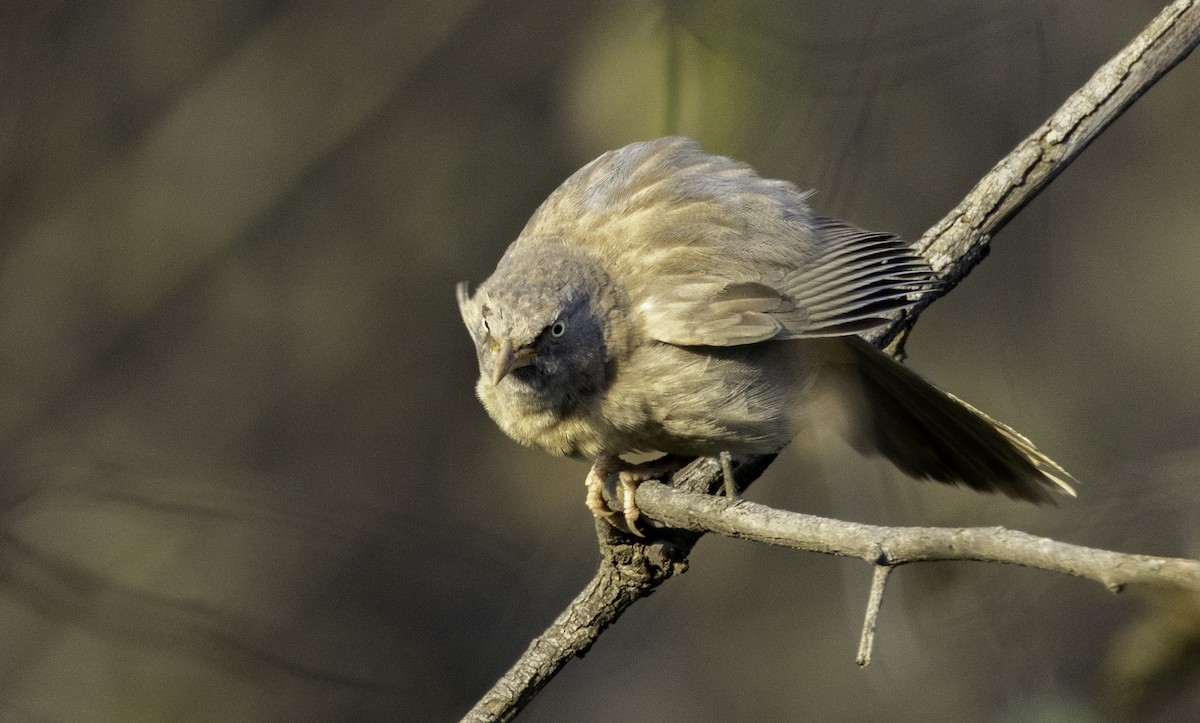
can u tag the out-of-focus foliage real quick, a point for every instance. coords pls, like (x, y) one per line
(244, 475)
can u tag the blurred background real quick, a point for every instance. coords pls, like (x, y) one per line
(243, 475)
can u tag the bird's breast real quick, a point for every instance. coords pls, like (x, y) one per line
(569, 429)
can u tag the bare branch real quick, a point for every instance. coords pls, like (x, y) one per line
(958, 242)
(630, 570)
(893, 546)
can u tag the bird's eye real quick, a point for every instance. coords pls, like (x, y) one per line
(558, 328)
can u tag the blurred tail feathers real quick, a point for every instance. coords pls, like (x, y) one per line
(930, 434)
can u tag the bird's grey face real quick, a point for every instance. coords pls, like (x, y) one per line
(538, 341)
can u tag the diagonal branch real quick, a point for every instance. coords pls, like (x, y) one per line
(631, 569)
(957, 243)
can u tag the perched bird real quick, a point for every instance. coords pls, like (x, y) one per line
(664, 299)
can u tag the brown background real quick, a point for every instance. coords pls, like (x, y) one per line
(243, 473)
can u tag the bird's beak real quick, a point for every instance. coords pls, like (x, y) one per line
(508, 358)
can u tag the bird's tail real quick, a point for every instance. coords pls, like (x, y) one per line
(928, 433)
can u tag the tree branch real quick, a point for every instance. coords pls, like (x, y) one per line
(628, 572)
(632, 569)
(957, 243)
(894, 546)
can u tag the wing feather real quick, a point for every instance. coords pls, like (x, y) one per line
(854, 281)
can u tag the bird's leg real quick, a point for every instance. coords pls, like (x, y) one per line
(727, 472)
(628, 477)
(627, 484)
(596, 477)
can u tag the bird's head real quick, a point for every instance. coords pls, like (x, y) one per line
(542, 328)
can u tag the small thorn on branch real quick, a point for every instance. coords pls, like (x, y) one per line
(867, 641)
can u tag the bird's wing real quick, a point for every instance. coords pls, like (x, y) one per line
(850, 284)
(712, 254)
(690, 311)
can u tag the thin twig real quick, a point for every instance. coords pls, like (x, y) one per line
(867, 641)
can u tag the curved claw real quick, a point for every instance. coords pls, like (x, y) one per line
(595, 481)
(627, 484)
(628, 477)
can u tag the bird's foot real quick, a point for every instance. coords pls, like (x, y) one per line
(627, 477)
(595, 481)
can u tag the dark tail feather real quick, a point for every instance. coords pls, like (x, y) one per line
(930, 434)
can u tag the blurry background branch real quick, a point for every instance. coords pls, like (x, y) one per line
(631, 570)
